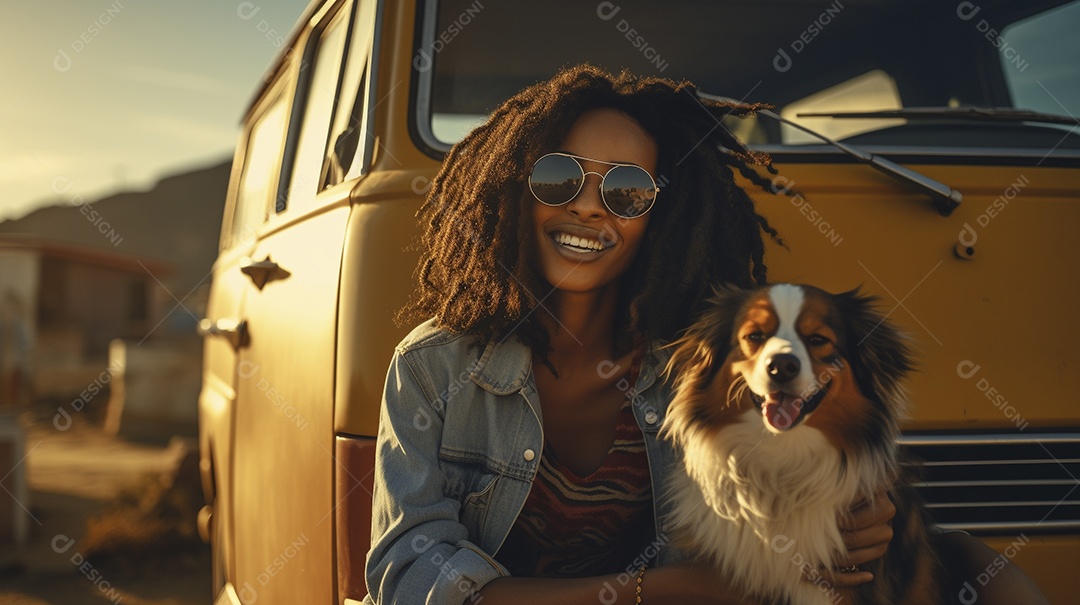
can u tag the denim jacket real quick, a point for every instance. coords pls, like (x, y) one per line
(460, 437)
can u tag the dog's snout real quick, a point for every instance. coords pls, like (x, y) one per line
(783, 367)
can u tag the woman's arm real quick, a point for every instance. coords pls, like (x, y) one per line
(866, 530)
(867, 534)
(966, 558)
(682, 583)
(420, 551)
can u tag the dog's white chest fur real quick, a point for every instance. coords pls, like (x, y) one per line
(765, 506)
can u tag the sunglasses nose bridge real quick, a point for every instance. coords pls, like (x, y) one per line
(599, 185)
(597, 204)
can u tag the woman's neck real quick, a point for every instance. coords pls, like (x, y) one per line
(582, 326)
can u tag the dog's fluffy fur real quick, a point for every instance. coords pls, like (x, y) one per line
(787, 404)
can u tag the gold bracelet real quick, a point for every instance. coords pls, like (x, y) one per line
(640, 578)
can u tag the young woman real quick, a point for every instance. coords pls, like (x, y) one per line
(565, 239)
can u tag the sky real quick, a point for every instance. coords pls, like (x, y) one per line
(106, 95)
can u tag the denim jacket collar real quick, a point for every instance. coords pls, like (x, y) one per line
(504, 367)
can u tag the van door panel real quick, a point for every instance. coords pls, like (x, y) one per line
(284, 456)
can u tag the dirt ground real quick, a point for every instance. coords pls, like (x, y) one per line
(82, 474)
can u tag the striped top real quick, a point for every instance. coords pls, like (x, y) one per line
(574, 526)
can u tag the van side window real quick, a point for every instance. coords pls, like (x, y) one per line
(870, 91)
(348, 134)
(1040, 60)
(262, 158)
(317, 100)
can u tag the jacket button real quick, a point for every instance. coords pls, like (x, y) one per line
(651, 417)
(529, 455)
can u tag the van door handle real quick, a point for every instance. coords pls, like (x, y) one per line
(262, 271)
(233, 330)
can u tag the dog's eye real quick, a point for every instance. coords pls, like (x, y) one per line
(755, 337)
(816, 340)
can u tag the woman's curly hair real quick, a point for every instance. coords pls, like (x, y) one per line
(476, 273)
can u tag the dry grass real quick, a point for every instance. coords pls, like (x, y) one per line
(151, 524)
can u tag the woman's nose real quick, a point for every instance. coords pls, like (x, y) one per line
(588, 203)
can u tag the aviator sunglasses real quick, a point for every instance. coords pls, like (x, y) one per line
(628, 190)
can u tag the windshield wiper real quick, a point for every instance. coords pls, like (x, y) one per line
(995, 114)
(944, 198)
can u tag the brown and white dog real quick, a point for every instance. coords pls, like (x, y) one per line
(787, 403)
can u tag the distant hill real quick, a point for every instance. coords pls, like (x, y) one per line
(177, 221)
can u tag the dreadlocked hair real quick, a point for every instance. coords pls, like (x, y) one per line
(476, 272)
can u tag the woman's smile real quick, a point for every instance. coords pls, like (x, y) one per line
(579, 243)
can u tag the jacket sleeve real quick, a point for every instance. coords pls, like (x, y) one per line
(420, 552)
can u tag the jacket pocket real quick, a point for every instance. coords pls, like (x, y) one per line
(472, 485)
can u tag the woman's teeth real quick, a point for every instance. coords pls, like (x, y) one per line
(574, 241)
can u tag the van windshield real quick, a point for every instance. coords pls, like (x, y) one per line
(843, 57)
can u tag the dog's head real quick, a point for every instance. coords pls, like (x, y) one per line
(800, 355)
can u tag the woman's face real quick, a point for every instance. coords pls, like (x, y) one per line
(608, 135)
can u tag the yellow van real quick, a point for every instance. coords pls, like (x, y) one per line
(941, 172)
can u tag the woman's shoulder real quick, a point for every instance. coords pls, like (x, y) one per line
(430, 335)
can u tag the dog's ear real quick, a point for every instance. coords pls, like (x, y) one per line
(879, 352)
(700, 350)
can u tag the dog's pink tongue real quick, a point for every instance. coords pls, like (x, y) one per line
(781, 410)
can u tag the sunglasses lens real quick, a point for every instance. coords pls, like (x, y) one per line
(629, 191)
(555, 179)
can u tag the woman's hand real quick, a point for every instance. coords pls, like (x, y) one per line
(867, 533)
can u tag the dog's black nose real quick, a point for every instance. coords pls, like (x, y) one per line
(783, 367)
